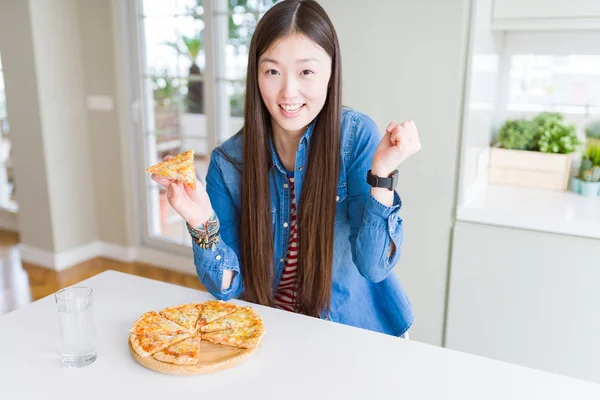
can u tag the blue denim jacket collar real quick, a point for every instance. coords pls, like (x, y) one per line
(304, 141)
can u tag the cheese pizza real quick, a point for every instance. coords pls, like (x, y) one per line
(243, 317)
(152, 323)
(215, 309)
(185, 352)
(245, 337)
(196, 336)
(146, 345)
(185, 315)
(179, 168)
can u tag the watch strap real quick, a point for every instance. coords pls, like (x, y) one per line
(382, 182)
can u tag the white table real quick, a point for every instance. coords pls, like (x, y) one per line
(301, 358)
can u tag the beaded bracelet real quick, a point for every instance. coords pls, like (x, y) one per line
(207, 234)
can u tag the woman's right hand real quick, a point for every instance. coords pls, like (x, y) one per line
(192, 205)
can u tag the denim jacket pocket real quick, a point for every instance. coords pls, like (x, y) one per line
(341, 204)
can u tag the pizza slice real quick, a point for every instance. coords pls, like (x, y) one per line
(244, 316)
(180, 168)
(152, 323)
(244, 338)
(185, 352)
(215, 309)
(186, 315)
(146, 345)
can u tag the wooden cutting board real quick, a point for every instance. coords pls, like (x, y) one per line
(213, 358)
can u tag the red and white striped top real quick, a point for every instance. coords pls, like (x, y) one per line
(286, 292)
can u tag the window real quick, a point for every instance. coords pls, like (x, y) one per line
(551, 71)
(565, 83)
(7, 180)
(192, 67)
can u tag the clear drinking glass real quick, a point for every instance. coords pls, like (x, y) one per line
(76, 326)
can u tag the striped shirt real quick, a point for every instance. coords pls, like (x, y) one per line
(286, 292)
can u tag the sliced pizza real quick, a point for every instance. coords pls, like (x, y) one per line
(186, 315)
(245, 338)
(146, 345)
(179, 168)
(185, 352)
(215, 309)
(152, 323)
(244, 316)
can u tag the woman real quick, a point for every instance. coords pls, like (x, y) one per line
(288, 217)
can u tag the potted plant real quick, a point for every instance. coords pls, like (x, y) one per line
(190, 47)
(517, 134)
(551, 135)
(536, 153)
(588, 180)
(192, 120)
(592, 132)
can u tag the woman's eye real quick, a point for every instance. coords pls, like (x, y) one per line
(272, 72)
(307, 72)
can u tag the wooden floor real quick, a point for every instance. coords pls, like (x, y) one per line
(22, 283)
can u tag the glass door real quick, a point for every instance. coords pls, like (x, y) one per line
(190, 62)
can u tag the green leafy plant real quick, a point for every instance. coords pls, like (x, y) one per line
(516, 134)
(590, 164)
(558, 139)
(243, 17)
(552, 135)
(190, 47)
(546, 133)
(586, 165)
(545, 116)
(592, 130)
(593, 154)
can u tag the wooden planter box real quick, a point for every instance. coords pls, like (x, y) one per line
(529, 169)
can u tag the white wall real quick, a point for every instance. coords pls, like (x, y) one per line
(406, 60)
(59, 72)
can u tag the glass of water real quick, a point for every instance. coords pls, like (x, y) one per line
(76, 326)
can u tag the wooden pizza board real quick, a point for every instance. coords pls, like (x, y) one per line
(213, 358)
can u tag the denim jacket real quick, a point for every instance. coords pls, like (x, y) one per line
(365, 292)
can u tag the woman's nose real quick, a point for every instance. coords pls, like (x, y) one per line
(290, 87)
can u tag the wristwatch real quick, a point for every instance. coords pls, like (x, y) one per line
(381, 182)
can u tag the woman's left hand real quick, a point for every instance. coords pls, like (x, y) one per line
(399, 142)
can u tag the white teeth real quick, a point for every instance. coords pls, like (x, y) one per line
(291, 107)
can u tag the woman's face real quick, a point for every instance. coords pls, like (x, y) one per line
(293, 76)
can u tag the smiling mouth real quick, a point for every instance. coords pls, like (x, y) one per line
(291, 108)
